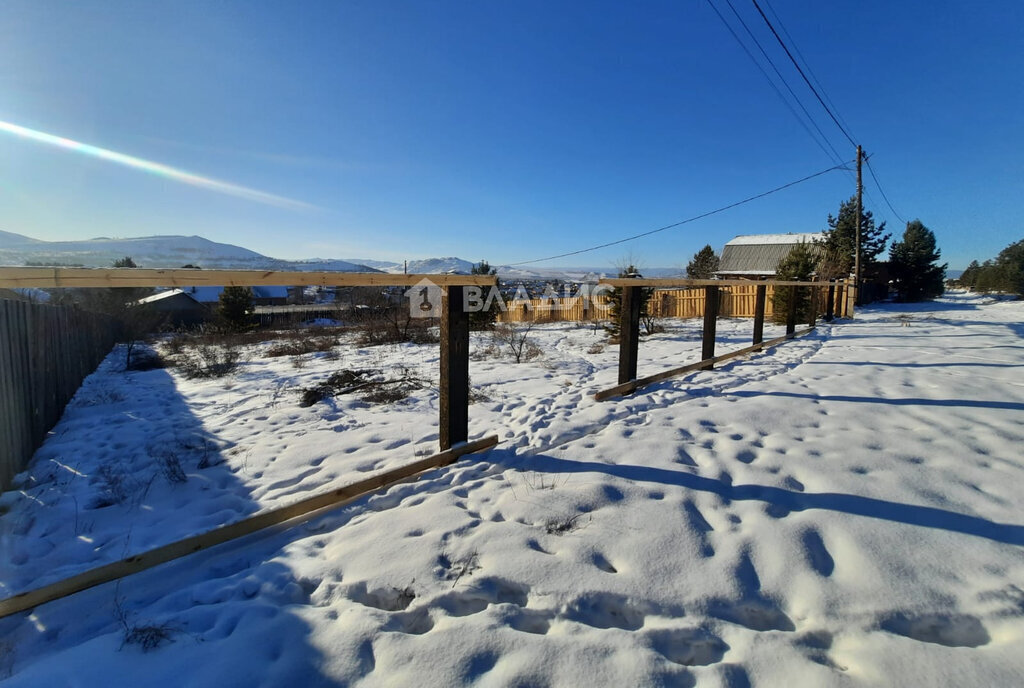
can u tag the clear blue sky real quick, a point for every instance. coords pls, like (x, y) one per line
(503, 130)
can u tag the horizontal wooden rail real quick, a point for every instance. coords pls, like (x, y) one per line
(294, 514)
(633, 385)
(682, 282)
(148, 277)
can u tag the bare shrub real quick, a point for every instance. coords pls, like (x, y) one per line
(170, 466)
(373, 385)
(209, 360)
(147, 636)
(597, 348)
(395, 325)
(301, 345)
(115, 484)
(515, 337)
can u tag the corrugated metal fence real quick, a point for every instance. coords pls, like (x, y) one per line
(736, 302)
(45, 353)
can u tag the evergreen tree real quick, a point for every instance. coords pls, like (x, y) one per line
(125, 262)
(840, 242)
(1010, 268)
(484, 319)
(704, 264)
(914, 264)
(798, 265)
(615, 303)
(969, 278)
(235, 308)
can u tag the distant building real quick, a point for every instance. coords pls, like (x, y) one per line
(179, 308)
(756, 256)
(261, 296)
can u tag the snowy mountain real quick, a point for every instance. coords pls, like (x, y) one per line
(168, 251)
(173, 251)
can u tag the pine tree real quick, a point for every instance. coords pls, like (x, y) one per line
(969, 278)
(484, 319)
(235, 308)
(914, 264)
(615, 303)
(1010, 268)
(798, 265)
(704, 264)
(841, 240)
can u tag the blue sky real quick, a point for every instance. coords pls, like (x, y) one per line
(504, 130)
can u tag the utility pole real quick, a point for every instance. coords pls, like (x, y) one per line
(856, 253)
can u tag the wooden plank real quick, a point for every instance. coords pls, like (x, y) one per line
(633, 385)
(292, 514)
(629, 331)
(791, 316)
(144, 277)
(711, 296)
(830, 303)
(681, 282)
(454, 387)
(759, 301)
(9, 460)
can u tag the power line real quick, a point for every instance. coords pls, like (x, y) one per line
(688, 220)
(837, 157)
(833, 155)
(882, 191)
(807, 65)
(800, 69)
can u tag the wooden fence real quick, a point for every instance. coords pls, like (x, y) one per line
(45, 353)
(736, 301)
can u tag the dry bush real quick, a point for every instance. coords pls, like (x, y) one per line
(515, 337)
(395, 326)
(373, 385)
(301, 345)
(209, 360)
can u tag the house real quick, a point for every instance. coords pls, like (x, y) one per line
(179, 308)
(261, 296)
(756, 256)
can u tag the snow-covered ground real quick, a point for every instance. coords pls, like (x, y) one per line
(841, 511)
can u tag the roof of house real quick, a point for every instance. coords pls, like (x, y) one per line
(212, 294)
(759, 254)
(163, 295)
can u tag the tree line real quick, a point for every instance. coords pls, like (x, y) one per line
(1003, 273)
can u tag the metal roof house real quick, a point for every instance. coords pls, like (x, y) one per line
(178, 307)
(755, 256)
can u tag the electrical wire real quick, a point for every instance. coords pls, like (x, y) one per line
(836, 156)
(807, 66)
(833, 155)
(688, 220)
(800, 69)
(882, 191)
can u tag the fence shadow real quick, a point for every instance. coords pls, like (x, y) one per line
(128, 468)
(782, 499)
(911, 401)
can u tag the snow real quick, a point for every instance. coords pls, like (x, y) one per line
(841, 511)
(765, 239)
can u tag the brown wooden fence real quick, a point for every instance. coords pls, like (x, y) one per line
(45, 353)
(735, 302)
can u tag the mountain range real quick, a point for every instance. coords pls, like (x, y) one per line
(174, 251)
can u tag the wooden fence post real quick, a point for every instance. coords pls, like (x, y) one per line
(454, 387)
(830, 303)
(710, 325)
(760, 296)
(791, 316)
(812, 313)
(629, 332)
